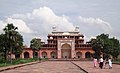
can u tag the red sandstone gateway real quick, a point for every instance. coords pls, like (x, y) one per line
(62, 45)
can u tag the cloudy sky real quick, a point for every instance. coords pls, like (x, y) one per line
(35, 18)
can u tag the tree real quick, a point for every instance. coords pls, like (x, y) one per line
(3, 45)
(35, 44)
(2, 55)
(115, 47)
(17, 45)
(13, 39)
(106, 46)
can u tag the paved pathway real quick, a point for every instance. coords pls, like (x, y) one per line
(63, 67)
(47, 67)
(88, 66)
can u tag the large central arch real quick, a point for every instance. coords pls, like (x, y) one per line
(66, 51)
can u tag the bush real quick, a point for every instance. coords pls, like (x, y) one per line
(116, 60)
(19, 61)
(2, 59)
(44, 58)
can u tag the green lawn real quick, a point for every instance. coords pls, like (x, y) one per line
(116, 61)
(18, 61)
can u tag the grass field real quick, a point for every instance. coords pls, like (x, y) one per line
(116, 61)
(18, 61)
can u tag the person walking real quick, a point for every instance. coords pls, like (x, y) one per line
(95, 62)
(101, 62)
(105, 63)
(110, 63)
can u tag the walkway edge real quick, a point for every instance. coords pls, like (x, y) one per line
(117, 63)
(79, 67)
(17, 66)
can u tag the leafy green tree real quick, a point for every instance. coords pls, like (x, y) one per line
(106, 46)
(1, 48)
(4, 45)
(35, 44)
(114, 47)
(13, 40)
(17, 45)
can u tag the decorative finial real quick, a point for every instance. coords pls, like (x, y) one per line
(77, 28)
(54, 28)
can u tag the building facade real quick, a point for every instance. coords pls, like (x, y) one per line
(69, 44)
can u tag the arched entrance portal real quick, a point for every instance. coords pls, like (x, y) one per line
(53, 55)
(78, 55)
(87, 55)
(66, 51)
(26, 55)
(44, 54)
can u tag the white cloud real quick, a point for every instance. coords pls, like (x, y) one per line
(44, 12)
(44, 17)
(22, 27)
(41, 21)
(2, 25)
(96, 22)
